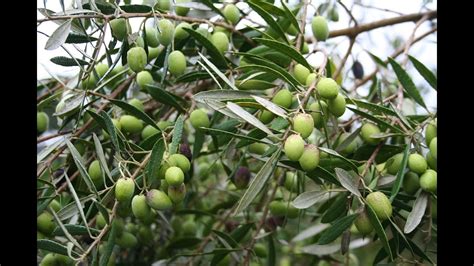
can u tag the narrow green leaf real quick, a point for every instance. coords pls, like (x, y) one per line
(336, 229)
(425, 72)
(192, 76)
(271, 106)
(212, 7)
(214, 131)
(291, 16)
(165, 97)
(75, 229)
(337, 209)
(65, 232)
(136, 8)
(82, 169)
(271, 250)
(222, 95)
(418, 251)
(285, 49)
(100, 154)
(406, 82)
(177, 134)
(258, 182)
(74, 37)
(374, 119)
(78, 203)
(53, 246)
(271, 9)
(185, 242)
(104, 258)
(46, 151)
(309, 198)
(415, 216)
(71, 209)
(59, 36)
(374, 108)
(310, 232)
(228, 238)
(246, 116)
(348, 140)
(347, 181)
(136, 112)
(199, 138)
(216, 56)
(268, 19)
(401, 173)
(217, 71)
(111, 129)
(374, 220)
(377, 60)
(155, 159)
(103, 211)
(334, 153)
(67, 61)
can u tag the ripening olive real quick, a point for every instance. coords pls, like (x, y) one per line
(320, 28)
(180, 33)
(411, 183)
(152, 36)
(42, 121)
(124, 189)
(283, 98)
(431, 132)
(231, 13)
(164, 4)
(380, 204)
(428, 180)
(180, 161)
(220, 41)
(367, 131)
(434, 147)
(363, 224)
(303, 124)
(140, 208)
(327, 88)
(260, 250)
(181, 10)
(144, 78)
(199, 119)
(394, 164)
(317, 114)
(258, 148)
(242, 177)
(176, 63)
(309, 160)
(130, 124)
(120, 28)
(294, 147)
(337, 106)
(291, 181)
(95, 172)
(174, 176)
(177, 193)
(158, 200)
(166, 28)
(126, 240)
(301, 73)
(137, 59)
(432, 162)
(137, 104)
(266, 116)
(417, 163)
(45, 223)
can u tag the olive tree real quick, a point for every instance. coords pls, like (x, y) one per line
(219, 133)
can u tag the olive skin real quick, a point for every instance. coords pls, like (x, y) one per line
(351, 147)
(242, 177)
(434, 147)
(357, 70)
(124, 189)
(320, 28)
(152, 39)
(119, 28)
(417, 163)
(260, 250)
(174, 176)
(282, 208)
(291, 181)
(258, 148)
(127, 240)
(144, 78)
(309, 160)
(45, 223)
(158, 200)
(301, 73)
(154, 52)
(164, 4)
(180, 161)
(317, 114)
(363, 224)
(95, 172)
(367, 131)
(176, 63)
(337, 106)
(180, 10)
(199, 119)
(220, 41)
(140, 208)
(394, 165)
(181, 34)
(266, 116)
(100, 221)
(294, 147)
(177, 193)
(166, 29)
(130, 124)
(42, 122)
(189, 228)
(283, 98)
(137, 59)
(429, 180)
(137, 104)
(430, 132)
(411, 183)
(231, 13)
(310, 79)
(303, 124)
(327, 88)
(432, 162)
(380, 204)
